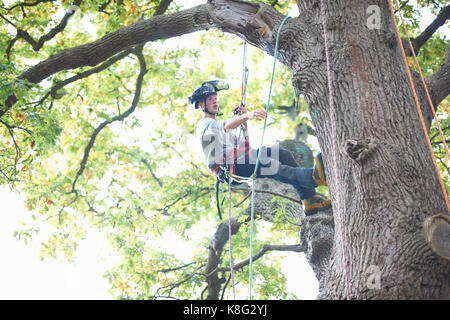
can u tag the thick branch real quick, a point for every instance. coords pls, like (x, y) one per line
(156, 28)
(257, 23)
(439, 82)
(215, 251)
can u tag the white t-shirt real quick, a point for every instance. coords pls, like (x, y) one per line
(215, 141)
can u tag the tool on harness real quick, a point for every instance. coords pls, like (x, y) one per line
(220, 171)
(224, 175)
(218, 203)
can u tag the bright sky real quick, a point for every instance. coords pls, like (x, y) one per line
(23, 276)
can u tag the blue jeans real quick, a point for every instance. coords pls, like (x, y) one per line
(277, 164)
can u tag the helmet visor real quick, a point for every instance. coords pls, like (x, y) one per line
(217, 84)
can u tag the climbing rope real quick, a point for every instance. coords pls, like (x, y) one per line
(230, 173)
(231, 176)
(416, 99)
(229, 237)
(257, 159)
(337, 179)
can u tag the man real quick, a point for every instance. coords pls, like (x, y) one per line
(223, 148)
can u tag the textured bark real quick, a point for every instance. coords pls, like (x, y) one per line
(391, 191)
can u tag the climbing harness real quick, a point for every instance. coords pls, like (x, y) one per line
(416, 99)
(337, 179)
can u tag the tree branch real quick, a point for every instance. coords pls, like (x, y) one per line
(145, 162)
(162, 7)
(59, 85)
(215, 250)
(429, 31)
(265, 248)
(27, 4)
(16, 158)
(140, 32)
(439, 82)
(120, 117)
(268, 192)
(257, 23)
(37, 45)
(177, 268)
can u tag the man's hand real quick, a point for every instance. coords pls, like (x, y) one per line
(256, 114)
(235, 122)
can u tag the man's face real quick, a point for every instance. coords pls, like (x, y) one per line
(212, 103)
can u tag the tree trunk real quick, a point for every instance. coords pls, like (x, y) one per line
(392, 187)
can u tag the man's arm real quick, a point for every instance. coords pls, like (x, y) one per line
(233, 123)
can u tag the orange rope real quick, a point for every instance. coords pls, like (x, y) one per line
(423, 81)
(416, 99)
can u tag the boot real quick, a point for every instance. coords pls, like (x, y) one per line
(315, 204)
(318, 174)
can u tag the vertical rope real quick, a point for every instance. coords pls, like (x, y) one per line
(335, 164)
(244, 76)
(230, 180)
(252, 212)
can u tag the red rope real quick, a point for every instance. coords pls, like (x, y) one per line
(335, 152)
(416, 99)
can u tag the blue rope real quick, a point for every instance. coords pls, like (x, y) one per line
(257, 160)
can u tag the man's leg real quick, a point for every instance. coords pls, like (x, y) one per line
(300, 178)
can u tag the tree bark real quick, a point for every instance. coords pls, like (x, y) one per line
(389, 192)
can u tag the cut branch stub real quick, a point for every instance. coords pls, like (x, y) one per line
(358, 148)
(437, 233)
